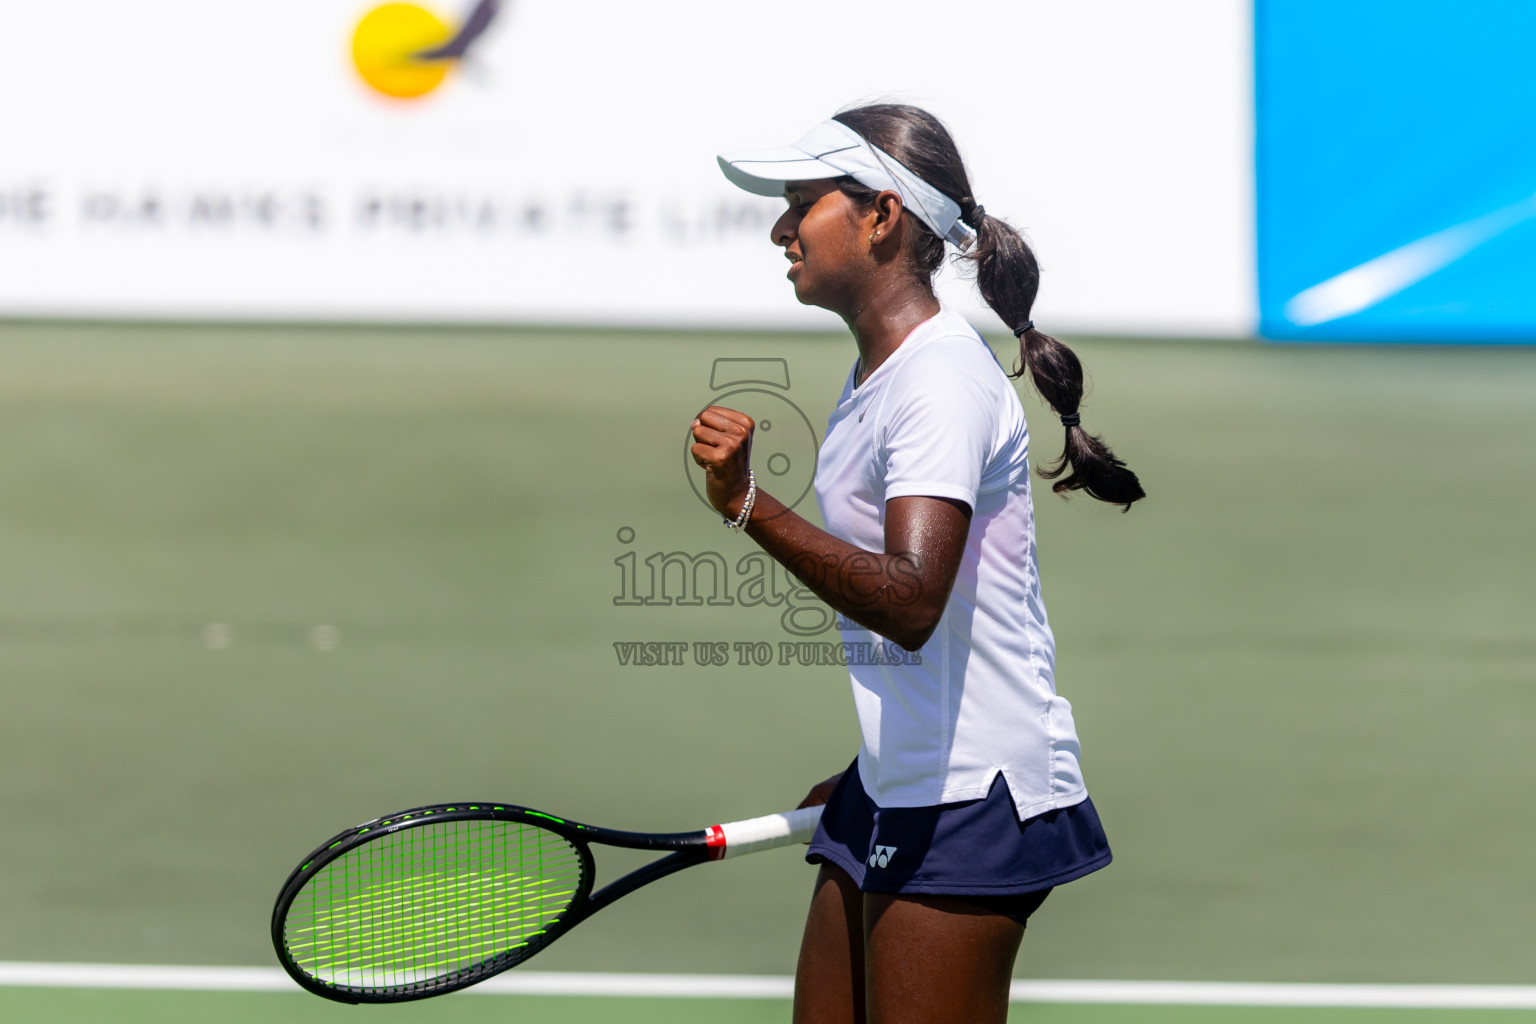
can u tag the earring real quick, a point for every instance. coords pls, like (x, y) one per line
(873, 239)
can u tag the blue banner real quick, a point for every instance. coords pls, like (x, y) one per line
(1396, 170)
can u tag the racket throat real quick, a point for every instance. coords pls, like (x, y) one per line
(621, 887)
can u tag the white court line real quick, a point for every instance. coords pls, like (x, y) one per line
(761, 986)
(1223, 993)
(199, 979)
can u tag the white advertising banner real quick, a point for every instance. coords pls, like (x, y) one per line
(552, 161)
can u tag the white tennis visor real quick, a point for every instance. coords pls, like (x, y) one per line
(834, 150)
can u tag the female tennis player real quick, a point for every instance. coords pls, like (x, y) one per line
(966, 803)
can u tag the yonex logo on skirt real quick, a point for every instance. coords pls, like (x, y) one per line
(882, 856)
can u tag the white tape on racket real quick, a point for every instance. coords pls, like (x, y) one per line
(735, 838)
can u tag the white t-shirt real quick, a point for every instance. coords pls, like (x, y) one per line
(940, 417)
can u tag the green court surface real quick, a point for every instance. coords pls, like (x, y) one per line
(47, 1006)
(263, 583)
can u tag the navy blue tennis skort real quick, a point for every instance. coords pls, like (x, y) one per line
(976, 849)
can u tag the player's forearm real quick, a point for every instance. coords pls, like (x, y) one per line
(885, 593)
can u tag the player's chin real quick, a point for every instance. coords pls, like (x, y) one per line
(805, 284)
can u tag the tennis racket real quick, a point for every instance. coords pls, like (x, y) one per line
(435, 898)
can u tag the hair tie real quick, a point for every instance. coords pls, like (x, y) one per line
(975, 218)
(1071, 419)
(1028, 325)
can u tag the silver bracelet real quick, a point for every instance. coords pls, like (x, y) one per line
(740, 523)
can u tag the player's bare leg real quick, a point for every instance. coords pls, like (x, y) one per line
(937, 960)
(829, 979)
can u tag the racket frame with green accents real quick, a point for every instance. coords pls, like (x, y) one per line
(685, 850)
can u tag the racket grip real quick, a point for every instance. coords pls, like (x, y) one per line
(735, 838)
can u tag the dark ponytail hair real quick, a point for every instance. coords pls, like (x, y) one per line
(1008, 276)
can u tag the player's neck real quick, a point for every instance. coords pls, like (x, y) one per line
(884, 320)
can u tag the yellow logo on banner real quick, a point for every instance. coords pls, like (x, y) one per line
(405, 50)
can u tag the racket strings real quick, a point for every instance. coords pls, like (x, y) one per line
(429, 902)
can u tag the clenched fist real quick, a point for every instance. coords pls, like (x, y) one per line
(722, 444)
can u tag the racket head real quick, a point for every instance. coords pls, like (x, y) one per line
(430, 900)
